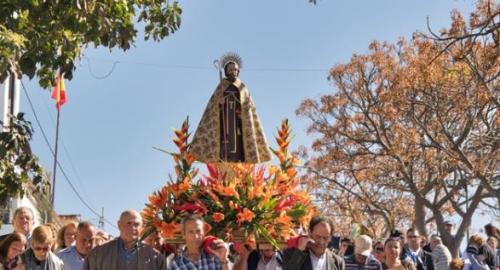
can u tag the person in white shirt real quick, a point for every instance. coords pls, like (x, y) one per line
(311, 251)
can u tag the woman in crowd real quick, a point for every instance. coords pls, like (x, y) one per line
(66, 235)
(474, 258)
(392, 249)
(11, 247)
(40, 256)
(493, 243)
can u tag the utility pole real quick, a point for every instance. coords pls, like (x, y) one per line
(101, 219)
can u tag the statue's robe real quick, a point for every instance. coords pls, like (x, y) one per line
(208, 141)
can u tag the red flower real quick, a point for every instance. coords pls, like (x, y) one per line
(284, 203)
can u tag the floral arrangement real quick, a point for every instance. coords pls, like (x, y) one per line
(236, 199)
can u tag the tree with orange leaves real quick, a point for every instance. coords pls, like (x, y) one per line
(411, 127)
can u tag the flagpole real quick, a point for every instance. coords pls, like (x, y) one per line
(55, 161)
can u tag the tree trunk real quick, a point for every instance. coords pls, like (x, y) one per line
(420, 217)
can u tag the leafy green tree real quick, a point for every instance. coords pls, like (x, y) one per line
(39, 37)
(18, 166)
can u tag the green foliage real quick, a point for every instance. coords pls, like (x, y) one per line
(18, 166)
(37, 38)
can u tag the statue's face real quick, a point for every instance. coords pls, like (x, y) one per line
(232, 71)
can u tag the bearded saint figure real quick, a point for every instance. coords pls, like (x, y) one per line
(230, 130)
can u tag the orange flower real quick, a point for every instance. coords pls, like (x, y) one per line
(148, 213)
(251, 193)
(281, 157)
(291, 172)
(245, 215)
(218, 217)
(227, 191)
(281, 177)
(156, 200)
(284, 219)
(272, 169)
(168, 230)
(184, 186)
(190, 158)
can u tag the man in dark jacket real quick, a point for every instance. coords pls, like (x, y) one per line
(414, 253)
(311, 251)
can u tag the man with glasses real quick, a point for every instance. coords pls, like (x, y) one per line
(412, 252)
(126, 252)
(311, 252)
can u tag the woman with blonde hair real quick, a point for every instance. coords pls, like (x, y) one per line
(66, 235)
(39, 255)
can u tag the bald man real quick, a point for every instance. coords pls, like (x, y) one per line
(74, 256)
(126, 252)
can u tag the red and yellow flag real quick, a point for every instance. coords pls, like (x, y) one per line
(59, 91)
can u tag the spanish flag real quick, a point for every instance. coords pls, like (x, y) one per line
(59, 91)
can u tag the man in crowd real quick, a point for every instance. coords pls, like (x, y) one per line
(155, 241)
(362, 259)
(311, 252)
(345, 247)
(195, 256)
(22, 222)
(412, 251)
(378, 251)
(441, 256)
(74, 256)
(265, 257)
(126, 252)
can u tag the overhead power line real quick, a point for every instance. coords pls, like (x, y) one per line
(192, 67)
(68, 156)
(59, 165)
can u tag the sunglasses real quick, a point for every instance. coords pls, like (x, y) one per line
(45, 249)
(379, 249)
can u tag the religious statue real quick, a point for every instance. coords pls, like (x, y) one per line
(230, 130)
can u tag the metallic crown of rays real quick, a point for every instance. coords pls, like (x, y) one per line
(231, 57)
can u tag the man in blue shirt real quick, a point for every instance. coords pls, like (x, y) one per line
(74, 256)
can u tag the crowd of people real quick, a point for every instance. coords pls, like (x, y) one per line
(81, 246)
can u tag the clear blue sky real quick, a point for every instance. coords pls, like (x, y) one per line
(109, 126)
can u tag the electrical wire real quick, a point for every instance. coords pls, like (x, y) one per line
(156, 65)
(59, 165)
(73, 167)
